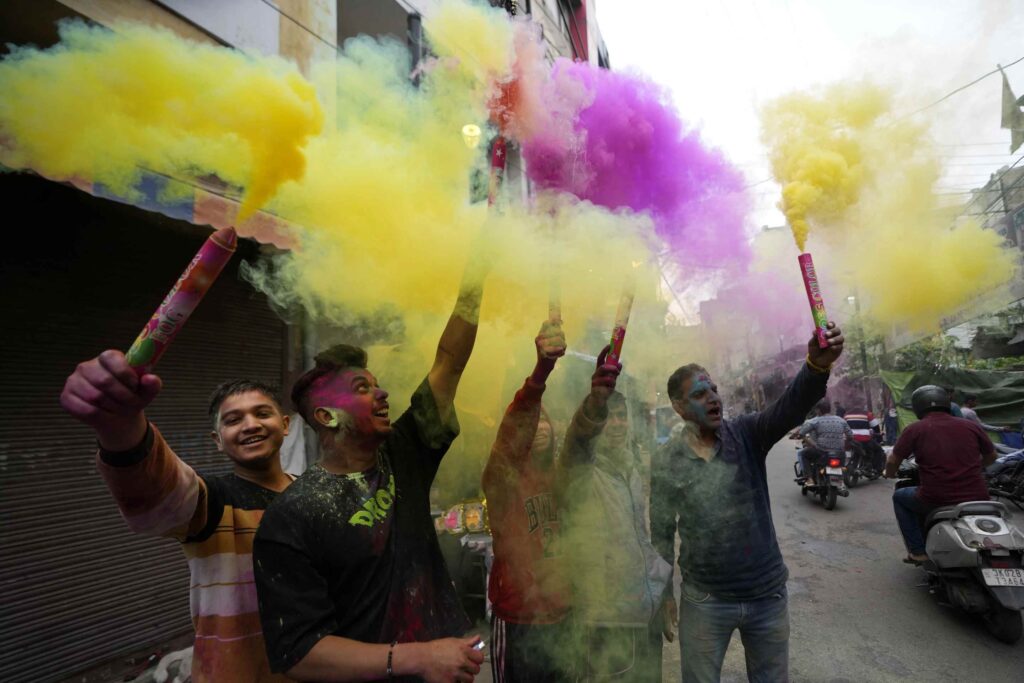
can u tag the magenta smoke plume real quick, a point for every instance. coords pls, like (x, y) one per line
(631, 150)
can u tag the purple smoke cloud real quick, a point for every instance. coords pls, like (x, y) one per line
(631, 150)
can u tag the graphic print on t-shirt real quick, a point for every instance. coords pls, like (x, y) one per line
(376, 506)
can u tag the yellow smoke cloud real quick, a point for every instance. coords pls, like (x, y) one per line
(379, 191)
(867, 183)
(815, 150)
(105, 105)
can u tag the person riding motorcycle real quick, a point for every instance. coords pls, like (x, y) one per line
(950, 453)
(867, 437)
(821, 434)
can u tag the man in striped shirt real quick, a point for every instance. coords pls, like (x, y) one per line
(213, 517)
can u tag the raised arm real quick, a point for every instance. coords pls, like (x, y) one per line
(519, 426)
(590, 417)
(458, 338)
(806, 389)
(143, 474)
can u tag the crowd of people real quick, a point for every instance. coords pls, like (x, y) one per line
(337, 575)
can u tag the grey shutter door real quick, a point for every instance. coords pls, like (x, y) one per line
(79, 275)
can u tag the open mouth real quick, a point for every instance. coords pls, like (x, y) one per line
(381, 413)
(250, 440)
(715, 413)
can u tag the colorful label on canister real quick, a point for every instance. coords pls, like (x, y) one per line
(179, 303)
(814, 298)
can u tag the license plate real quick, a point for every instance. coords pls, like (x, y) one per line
(1003, 577)
(833, 470)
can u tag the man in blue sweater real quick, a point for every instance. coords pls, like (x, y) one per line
(710, 485)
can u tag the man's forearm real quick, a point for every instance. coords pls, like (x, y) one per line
(342, 659)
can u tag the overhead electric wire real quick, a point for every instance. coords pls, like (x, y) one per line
(960, 89)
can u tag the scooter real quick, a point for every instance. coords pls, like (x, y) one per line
(826, 480)
(976, 556)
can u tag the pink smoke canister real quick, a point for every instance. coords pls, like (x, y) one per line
(619, 331)
(813, 288)
(183, 298)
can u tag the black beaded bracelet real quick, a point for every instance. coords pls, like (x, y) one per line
(391, 652)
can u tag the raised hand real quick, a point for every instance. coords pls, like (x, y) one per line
(106, 394)
(550, 341)
(824, 358)
(602, 382)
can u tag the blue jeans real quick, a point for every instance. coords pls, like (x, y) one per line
(910, 511)
(706, 624)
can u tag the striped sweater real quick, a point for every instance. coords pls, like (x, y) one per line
(215, 520)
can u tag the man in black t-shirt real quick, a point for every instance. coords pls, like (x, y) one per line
(350, 577)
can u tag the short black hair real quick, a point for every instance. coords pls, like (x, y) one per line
(240, 386)
(334, 359)
(823, 407)
(679, 377)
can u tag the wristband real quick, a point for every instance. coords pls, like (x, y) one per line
(817, 368)
(391, 652)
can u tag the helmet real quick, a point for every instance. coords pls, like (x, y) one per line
(928, 398)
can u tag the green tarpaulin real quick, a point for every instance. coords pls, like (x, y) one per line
(1000, 394)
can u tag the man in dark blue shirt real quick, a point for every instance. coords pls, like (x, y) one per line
(710, 485)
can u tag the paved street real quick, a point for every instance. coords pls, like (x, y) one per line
(856, 611)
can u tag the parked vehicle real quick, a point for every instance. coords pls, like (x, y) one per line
(976, 550)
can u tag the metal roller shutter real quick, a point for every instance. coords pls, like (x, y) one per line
(79, 275)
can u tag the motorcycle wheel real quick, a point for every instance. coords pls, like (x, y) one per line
(1005, 624)
(828, 497)
(854, 477)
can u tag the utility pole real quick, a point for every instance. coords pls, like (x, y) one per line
(863, 353)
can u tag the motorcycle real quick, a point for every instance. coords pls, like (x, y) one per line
(976, 551)
(827, 478)
(860, 463)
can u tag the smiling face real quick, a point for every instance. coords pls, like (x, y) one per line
(250, 429)
(616, 429)
(700, 402)
(352, 402)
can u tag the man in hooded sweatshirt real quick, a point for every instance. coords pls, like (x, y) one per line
(618, 578)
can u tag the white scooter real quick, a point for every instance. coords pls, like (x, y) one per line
(976, 555)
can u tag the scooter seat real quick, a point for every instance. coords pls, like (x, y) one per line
(980, 507)
(939, 514)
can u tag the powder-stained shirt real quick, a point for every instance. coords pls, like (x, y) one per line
(527, 584)
(828, 431)
(356, 555)
(618, 577)
(215, 519)
(721, 507)
(948, 451)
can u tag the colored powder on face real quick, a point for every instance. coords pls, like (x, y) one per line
(106, 105)
(636, 153)
(871, 183)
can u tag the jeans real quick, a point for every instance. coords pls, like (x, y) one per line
(706, 624)
(529, 652)
(910, 511)
(808, 458)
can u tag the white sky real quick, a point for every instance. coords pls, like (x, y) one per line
(724, 59)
